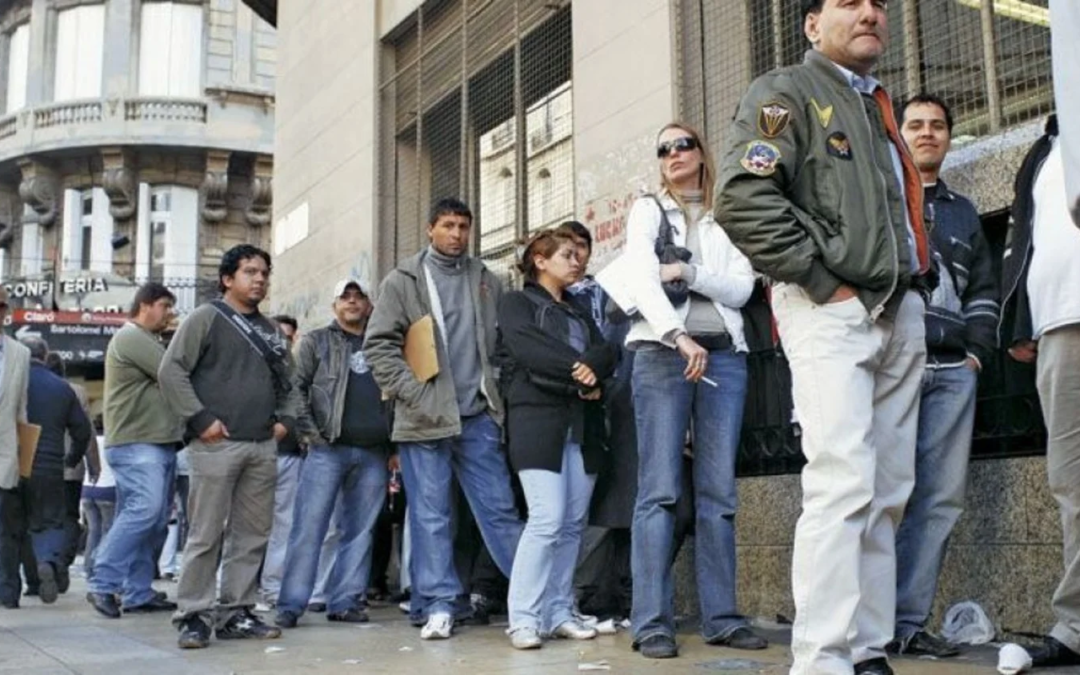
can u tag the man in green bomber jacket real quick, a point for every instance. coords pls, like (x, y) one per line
(818, 189)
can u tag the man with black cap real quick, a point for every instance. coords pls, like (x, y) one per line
(342, 418)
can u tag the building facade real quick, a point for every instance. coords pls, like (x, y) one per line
(135, 144)
(535, 112)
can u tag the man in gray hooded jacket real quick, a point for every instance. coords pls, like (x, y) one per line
(448, 425)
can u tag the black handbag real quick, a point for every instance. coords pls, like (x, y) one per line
(677, 291)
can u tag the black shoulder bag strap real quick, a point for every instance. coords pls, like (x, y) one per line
(274, 355)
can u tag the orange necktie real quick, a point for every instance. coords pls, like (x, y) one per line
(913, 189)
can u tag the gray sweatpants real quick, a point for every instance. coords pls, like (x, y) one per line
(232, 494)
(1059, 392)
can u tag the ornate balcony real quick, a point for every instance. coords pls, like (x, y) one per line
(234, 120)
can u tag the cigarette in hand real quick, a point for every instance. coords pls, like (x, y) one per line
(711, 383)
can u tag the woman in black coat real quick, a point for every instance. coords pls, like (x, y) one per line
(554, 360)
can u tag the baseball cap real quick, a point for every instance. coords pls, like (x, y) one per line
(341, 286)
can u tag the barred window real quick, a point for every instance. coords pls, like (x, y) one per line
(475, 101)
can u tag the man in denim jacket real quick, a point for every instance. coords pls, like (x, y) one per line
(961, 333)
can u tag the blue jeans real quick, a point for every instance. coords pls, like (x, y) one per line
(946, 420)
(542, 584)
(360, 476)
(428, 469)
(666, 405)
(124, 563)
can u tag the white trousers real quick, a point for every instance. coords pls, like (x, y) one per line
(856, 389)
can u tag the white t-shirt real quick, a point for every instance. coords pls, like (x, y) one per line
(1053, 283)
(106, 479)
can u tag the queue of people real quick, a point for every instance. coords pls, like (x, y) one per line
(527, 406)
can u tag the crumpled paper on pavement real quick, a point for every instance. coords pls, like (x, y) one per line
(1013, 659)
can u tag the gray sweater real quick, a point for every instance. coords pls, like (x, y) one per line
(210, 372)
(459, 315)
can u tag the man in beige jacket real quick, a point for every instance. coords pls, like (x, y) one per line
(14, 374)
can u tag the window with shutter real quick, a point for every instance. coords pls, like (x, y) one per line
(80, 51)
(170, 50)
(18, 66)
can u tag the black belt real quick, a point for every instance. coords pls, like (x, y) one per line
(714, 342)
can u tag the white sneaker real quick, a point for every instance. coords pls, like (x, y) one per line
(263, 607)
(405, 606)
(438, 627)
(574, 630)
(525, 638)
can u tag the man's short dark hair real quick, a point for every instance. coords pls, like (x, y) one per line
(580, 231)
(932, 99)
(810, 7)
(148, 294)
(230, 262)
(449, 206)
(286, 320)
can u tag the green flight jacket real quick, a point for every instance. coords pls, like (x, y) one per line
(808, 190)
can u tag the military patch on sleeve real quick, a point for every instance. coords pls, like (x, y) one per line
(838, 145)
(761, 158)
(772, 119)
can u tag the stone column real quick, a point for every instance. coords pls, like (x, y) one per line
(120, 26)
(42, 55)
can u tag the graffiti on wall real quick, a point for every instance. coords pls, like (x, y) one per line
(607, 188)
(311, 304)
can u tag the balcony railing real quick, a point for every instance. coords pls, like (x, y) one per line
(9, 125)
(157, 120)
(165, 110)
(68, 113)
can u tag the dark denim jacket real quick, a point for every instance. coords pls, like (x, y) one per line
(962, 315)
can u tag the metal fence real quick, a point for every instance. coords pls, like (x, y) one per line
(988, 59)
(475, 103)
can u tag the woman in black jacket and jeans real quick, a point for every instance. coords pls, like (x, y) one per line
(554, 360)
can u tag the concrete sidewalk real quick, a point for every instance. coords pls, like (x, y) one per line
(69, 637)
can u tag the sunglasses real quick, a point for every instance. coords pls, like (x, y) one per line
(684, 144)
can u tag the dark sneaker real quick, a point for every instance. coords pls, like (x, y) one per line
(246, 626)
(1053, 653)
(348, 616)
(286, 619)
(657, 647)
(317, 607)
(481, 610)
(194, 634)
(922, 643)
(157, 604)
(741, 638)
(31, 592)
(63, 579)
(874, 667)
(47, 589)
(105, 604)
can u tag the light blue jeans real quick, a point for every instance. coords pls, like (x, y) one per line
(288, 480)
(124, 561)
(946, 420)
(542, 583)
(666, 406)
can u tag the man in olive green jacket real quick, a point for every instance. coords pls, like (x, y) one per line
(142, 437)
(449, 424)
(817, 188)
